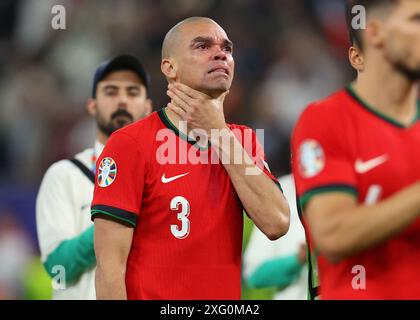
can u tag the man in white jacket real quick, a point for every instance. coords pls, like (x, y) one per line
(65, 230)
(280, 263)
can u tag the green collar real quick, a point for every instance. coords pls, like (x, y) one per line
(165, 119)
(379, 114)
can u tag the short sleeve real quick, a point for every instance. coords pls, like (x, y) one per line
(321, 159)
(119, 180)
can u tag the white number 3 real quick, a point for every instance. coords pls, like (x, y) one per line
(182, 216)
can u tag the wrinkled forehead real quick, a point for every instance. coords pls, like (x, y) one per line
(203, 29)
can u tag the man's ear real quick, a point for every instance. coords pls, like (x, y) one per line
(91, 106)
(356, 59)
(168, 68)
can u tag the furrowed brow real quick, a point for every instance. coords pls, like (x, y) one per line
(208, 40)
(201, 39)
(227, 42)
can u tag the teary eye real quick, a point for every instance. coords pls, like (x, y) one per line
(202, 46)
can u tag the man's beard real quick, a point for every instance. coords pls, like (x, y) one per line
(413, 74)
(119, 119)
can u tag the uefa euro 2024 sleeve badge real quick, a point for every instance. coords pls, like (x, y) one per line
(311, 158)
(107, 172)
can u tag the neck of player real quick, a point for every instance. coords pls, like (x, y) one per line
(102, 137)
(175, 120)
(388, 91)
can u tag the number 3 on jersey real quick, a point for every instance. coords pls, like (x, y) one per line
(183, 232)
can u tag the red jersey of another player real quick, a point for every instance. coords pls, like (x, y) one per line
(188, 219)
(342, 144)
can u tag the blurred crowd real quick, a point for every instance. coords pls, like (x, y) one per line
(287, 53)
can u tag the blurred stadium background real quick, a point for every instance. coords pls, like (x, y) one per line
(288, 53)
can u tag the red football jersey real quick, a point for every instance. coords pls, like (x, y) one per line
(342, 144)
(188, 219)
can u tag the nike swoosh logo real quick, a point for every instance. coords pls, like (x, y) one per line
(167, 180)
(365, 166)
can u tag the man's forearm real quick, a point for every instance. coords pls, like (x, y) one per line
(260, 197)
(358, 228)
(112, 246)
(110, 284)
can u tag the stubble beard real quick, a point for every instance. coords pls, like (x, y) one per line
(114, 124)
(413, 74)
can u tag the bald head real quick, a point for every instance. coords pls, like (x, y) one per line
(198, 53)
(171, 38)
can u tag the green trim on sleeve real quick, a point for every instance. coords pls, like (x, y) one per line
(95, 212)
(76, 255)
(326, 189)
(120, 215)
